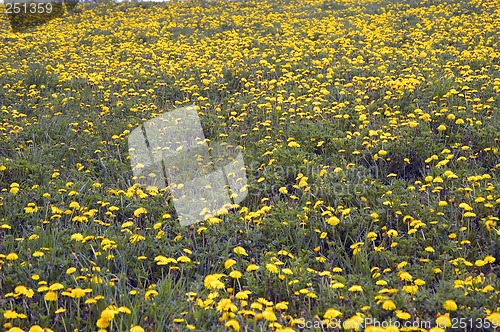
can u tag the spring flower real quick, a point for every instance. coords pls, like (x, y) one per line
(51, 296)
(332, 313)
(443, 321)
(450, 305)
(233, 324)
(235, 274)
(355, 288)
(240, 251)
(212, 281)
(388, 305)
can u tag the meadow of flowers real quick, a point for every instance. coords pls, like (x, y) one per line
(371, 134)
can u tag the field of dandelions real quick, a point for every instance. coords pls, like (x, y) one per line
(370, 132)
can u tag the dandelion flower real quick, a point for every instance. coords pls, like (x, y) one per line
(355, 288)
(235, 274)
(252, 267)
(51, 296)
(272, 268)
(102, 323)
(269, 315)
(450, 305)
(229, 262)
(443, 321)
(388, 305)
(332, 313)
(233, 324)
(12, 256)
(240, 251)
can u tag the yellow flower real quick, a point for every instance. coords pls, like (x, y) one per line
(392, 233)
(425, 117)
(293, 144)
(388, 305)
(332, 313)
(410, 289)
(77, 237)
(355, 288)
(282, 305)
(10, 314)
(212, 281)
(36, 328)
(269, 315)
(240, 251)
(333, 221)
(136, 328)
(183, 259)
(140, 211)
(102, 323)
(402, 315)
(229, 262)
(242, 295)
(162, 260)
(465, 206)
(12, 256)
(56, 286)
(419, 282)
(353, 323)
(479, 263)
(450, 305)
(38, 254)
(233, 324)
(108, 314)
(443, 321)
(74, 205)
(252, 267)
(235, 274)
(124, 310)
(150, 294)
(494, 318)
(78, 292)
(51, 296)
(272, 268)
(489, 259)
(226, 305)
(405, 276)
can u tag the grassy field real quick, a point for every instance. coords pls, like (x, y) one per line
(370, 131)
